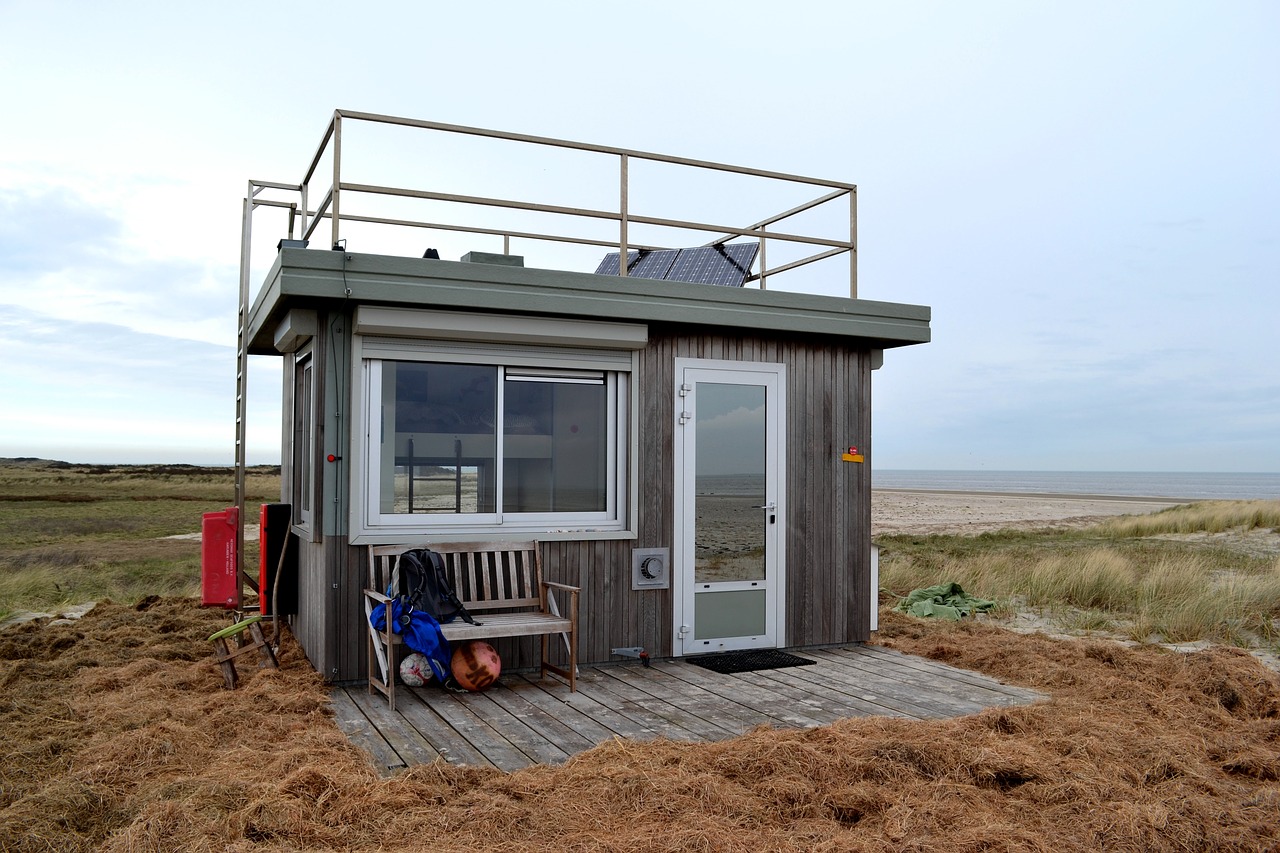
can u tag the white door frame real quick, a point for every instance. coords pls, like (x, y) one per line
(682, 570)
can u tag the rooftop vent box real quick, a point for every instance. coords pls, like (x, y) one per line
(492, 258)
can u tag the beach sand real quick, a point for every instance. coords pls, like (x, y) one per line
(918, 511)
(730, 529)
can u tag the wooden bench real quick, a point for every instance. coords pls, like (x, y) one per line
(500, 584)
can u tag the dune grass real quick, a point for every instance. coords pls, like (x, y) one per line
(71, 534)
(1116, 576)
(1200, 517)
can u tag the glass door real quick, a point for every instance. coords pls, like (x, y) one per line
(728, 513)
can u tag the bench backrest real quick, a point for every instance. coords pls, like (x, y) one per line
(485, 575)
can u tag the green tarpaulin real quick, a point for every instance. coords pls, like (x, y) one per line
(945, 601)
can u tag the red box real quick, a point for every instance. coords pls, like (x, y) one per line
(274, 543)
(219, 586)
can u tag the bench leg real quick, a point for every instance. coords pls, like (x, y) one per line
(571, 642)
(376, 684)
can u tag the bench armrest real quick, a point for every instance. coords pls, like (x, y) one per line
(562, 586)
(377, 596)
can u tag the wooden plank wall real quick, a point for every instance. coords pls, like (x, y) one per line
(828, 525)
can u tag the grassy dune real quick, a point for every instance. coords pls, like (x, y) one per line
(1178, 575)
(71, 534)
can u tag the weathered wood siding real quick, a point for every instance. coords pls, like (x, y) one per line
(828, 524)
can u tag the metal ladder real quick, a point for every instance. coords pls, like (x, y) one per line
(251, 201)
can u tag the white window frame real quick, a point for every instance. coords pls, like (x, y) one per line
(369, 525)
(304, 458)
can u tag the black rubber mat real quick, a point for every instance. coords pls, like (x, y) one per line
(748, 661)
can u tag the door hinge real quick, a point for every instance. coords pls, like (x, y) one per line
(685, 417)
(685, 390)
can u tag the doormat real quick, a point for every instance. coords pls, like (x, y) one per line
(727, 663)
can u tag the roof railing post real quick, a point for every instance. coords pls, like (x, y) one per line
(622, 216)
(337, 180)
(853, 243)
(763, 267)
(302, 232)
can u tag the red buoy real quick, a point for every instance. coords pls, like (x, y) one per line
(475, 665)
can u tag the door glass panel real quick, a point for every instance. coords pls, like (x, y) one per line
(736, 613)
(729, 486)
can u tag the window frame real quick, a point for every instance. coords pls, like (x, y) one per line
(303, 424)
(370, 525)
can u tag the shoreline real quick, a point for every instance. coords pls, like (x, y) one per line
(1061, 496)
(921, 511)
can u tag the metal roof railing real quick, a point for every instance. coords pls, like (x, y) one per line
(333, 192)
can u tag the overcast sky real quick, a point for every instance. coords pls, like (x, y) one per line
(1087, 194)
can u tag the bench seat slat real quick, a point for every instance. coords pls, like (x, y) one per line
(506, 625)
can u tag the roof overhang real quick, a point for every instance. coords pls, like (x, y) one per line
(316, 279)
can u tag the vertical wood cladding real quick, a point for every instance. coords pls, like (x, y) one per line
(828, 524)
(828, 500)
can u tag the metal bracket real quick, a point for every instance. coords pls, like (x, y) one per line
(636, 652)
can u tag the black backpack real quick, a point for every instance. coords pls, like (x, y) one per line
(424, 585)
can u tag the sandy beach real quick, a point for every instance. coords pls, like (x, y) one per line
(729, 527)
(918, 511)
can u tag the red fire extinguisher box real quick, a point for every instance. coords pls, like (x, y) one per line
(218, 582)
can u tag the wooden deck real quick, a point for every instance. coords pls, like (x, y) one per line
(524, 720)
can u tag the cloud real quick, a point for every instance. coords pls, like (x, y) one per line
(101, 392)
(73, 261)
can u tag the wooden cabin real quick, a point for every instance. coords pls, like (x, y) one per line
(694, 457)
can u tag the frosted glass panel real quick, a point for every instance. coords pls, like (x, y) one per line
(739, 613)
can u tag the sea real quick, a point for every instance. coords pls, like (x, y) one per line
(1148, 484)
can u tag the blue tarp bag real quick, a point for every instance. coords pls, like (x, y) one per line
(420, 632)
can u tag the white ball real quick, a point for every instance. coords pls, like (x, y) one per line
(415, 670)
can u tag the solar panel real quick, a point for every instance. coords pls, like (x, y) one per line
(653, 263)
(727, 265)
(609, 266)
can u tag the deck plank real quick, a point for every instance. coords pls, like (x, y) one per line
(364, 732)
(525, 719)
(955, 674)
(454, 747)
(643, 687)
(937, 678)
(731, 716)
(412, 745)
(923, 700)
(514, 698)
(627, 721)
(570, 713)
(660, 718)
(491, 743)
(782, 714)
(534, 746)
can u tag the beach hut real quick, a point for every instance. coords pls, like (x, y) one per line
(688, 443)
